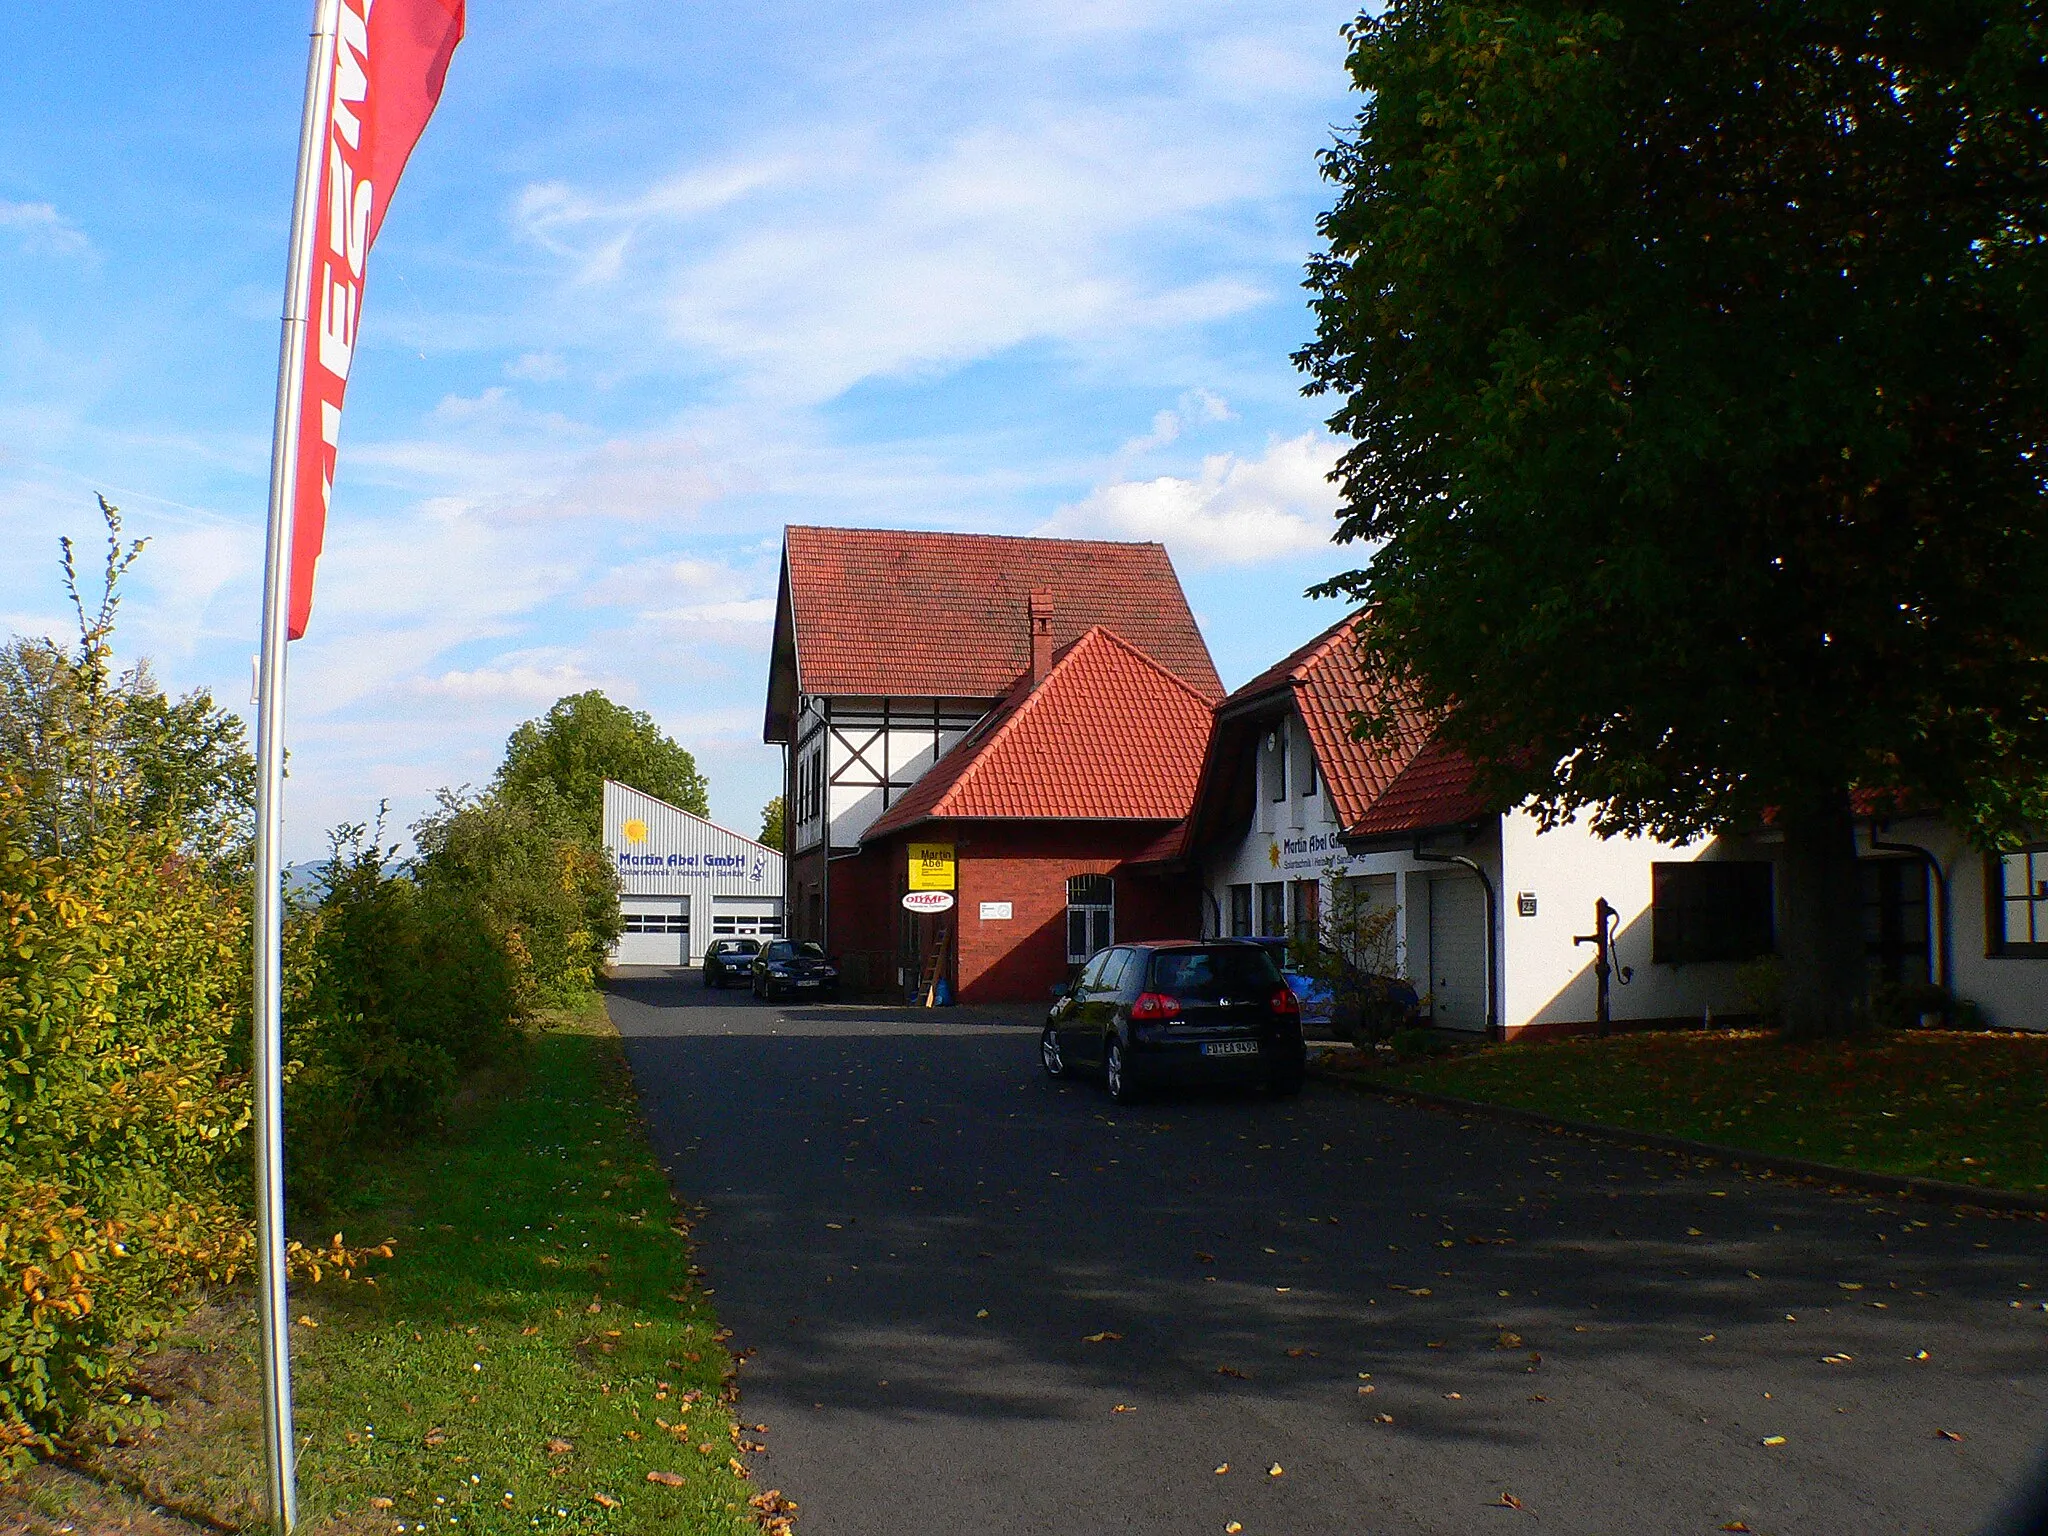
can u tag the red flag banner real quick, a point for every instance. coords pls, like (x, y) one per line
(390, 60)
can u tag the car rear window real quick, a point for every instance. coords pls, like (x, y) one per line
(1204, 975)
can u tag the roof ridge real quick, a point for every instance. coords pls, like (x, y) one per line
(1166, 672)
(1032, 695)
(957, 533)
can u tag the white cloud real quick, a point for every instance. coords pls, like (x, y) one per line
(1235, 512)
(42, 228)
(537, 368)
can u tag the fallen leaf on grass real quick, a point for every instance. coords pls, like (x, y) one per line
(666, 1479)
(380, 1502)
(307, 1322)
(436, 1437)
(1104, 1337)
(1509, 1501)
(527, 1333)
(604, 1501)
(594, 1308)
(558, 1446)
(1946, 1434)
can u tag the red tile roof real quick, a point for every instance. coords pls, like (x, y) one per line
(1434, 790)
(1107, 735)
(885, 612)
(1404, 783)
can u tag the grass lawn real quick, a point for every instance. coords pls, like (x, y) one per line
(534, 1350)
(1942, 1104)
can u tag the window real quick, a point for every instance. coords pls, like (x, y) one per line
(760, 924)
(1114, 964)
(1276, 763)
(1273, 910)
(1208, 975)
(1711, 911)
(1895, 919)
(1240, 911)
(1307, 902)
(1304, 770)
(2018, 899)
(1090, 908)
(1091, 977)
(656, 922)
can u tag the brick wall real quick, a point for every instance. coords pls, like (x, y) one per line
(1027, 864)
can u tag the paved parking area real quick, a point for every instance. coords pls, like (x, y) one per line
(981, 1301)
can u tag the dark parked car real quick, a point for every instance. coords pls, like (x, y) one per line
(787, 968)
(729, 961)
(1146, 1015)
(1370, 1007)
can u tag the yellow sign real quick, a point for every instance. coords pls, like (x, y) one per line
(931, 866)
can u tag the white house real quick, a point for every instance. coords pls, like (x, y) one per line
(1489, 909)
(684, 881)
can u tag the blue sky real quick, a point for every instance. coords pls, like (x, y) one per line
(660, 279)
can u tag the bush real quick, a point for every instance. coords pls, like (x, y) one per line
(124, 1158)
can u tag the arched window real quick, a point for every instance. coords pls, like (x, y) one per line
(1091, 923)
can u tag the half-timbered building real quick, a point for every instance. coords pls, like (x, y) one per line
(890, 649)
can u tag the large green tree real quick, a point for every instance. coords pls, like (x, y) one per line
(1695, 358)
(557, 764)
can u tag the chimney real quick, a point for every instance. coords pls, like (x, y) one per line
(1041, 634)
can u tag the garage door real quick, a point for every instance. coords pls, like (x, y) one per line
(657, 931)
(1457, 952)
(745, 917)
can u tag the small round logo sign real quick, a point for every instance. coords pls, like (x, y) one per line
(928, 901)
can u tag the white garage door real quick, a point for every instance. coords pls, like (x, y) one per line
(1457, 951)
(657, 931)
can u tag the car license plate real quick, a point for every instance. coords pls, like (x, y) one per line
(807, 983)
(1231, 1048)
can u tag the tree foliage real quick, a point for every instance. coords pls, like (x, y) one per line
(771, 824)
(1694, 360)
(557, 764)
(92, 748)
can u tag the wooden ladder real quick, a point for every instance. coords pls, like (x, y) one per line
(934, 963)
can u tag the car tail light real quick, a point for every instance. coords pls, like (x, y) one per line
(1286, 1004)
(1155, 1005)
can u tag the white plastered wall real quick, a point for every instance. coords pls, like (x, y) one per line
(1550, 979)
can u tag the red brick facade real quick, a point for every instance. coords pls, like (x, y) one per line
(1024, 863)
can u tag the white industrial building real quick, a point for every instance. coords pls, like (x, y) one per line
(684, 881)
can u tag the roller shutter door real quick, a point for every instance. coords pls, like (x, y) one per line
(657, 931)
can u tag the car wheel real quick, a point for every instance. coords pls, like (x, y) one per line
(1049, 1054)
(1116, 1073)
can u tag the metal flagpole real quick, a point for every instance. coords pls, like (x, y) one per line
(277, 564)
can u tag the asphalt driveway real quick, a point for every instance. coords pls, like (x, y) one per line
(981, 1301)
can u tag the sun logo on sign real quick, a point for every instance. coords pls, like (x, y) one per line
(1273, 854)
(635, 830)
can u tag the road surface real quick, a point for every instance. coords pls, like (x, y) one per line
(977, 1300)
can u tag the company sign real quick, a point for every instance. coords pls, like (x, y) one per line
(731, 866)
(927, 901)
(931, 867)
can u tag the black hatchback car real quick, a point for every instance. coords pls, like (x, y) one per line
(728, 961)
(787, 968)
(1147, 1015)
